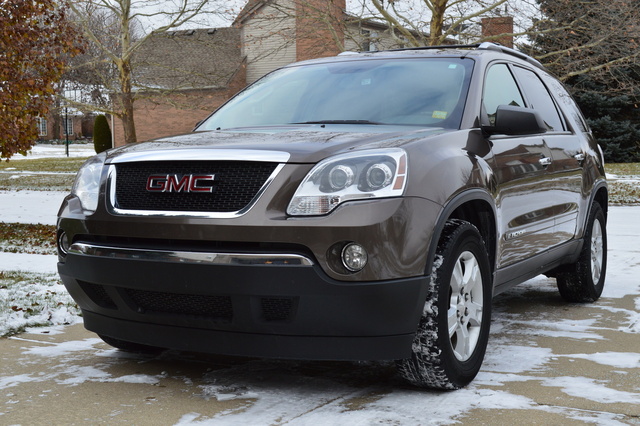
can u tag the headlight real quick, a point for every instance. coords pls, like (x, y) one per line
(355, 176)
(87, 184)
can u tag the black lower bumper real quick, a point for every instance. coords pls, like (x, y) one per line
(280, 311)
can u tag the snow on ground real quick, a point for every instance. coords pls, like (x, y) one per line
(57, 151)
(36, 263)
(30, 206)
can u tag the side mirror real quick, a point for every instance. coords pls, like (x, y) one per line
(515, 120)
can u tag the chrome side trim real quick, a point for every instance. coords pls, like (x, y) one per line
(111, 204)
(203, 154)
(190, 257)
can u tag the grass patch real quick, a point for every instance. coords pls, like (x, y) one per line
(33, 182)
(43, 165)
(40, 174)
(624, 188)
(27, 238)
(29, 300)
(624, 169)
(624, 193)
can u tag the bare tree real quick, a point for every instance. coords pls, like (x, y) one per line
(573, 37)
(430, 22)
(115, 31)
(595, 37)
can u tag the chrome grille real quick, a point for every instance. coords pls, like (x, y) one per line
(235, 185)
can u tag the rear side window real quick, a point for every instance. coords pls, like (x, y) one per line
(567, 104)
(500, 89)
(539, 98)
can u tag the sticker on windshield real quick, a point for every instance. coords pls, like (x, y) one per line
(441, 115)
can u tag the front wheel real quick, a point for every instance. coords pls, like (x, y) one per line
(583, 281)
(453, 332)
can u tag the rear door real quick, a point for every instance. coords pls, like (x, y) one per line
(567, 154)
(524, 183)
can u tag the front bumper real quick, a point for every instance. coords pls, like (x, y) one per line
(283, 308)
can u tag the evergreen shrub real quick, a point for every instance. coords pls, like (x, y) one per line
(101, 134)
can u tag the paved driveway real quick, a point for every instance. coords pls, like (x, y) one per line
(548, 362)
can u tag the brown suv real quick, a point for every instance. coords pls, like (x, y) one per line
(366, 206)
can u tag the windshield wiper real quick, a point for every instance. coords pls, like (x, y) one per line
(339, 122)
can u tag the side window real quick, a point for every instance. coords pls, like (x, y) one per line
(500, 89)
(539, 98)
(567, 104)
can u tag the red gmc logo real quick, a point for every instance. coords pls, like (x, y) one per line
(186, 183)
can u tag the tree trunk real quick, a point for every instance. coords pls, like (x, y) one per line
(127, 95)
(128, 123)
(126, 99)
(437, 20)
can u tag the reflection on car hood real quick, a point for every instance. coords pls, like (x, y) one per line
(305, 144)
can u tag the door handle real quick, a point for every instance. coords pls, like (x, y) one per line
(545, 161)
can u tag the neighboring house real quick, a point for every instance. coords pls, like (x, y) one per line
(58, 126)
(278, 32)
(182, 76)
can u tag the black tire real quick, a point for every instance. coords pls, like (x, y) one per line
(130, 346)
(583, 281)
(444, 359)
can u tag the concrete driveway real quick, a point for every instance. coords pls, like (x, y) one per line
(548, 362)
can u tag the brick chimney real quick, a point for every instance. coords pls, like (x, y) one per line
(496, 26)
(319, 28)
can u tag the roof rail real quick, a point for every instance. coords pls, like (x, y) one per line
(509, 51)
(480, 46)
(445, 46)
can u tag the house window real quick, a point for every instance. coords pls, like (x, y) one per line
(369, 41)
(68, 126)
(42, 126)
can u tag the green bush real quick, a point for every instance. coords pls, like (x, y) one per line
(101, 134)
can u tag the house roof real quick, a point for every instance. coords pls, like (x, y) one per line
(188, 59)
(248, 10)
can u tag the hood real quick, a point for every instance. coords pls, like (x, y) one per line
(307, 144)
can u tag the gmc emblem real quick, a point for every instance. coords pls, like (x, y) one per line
(186, 183)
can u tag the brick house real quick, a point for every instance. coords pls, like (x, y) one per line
(182, 76)
(498, 29)
(58, 126)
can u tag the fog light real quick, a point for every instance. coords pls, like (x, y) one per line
(63, 243)
(354, 257)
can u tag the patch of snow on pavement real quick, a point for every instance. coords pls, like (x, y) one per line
(623, 228)
(65, 348)
(614, 359)
(583, 387)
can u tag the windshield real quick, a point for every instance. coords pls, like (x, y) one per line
(409, 91)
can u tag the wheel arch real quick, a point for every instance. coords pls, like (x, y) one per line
(601, 196)
(475, 206)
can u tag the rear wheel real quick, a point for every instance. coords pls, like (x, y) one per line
(452, 335)
(583, 281)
